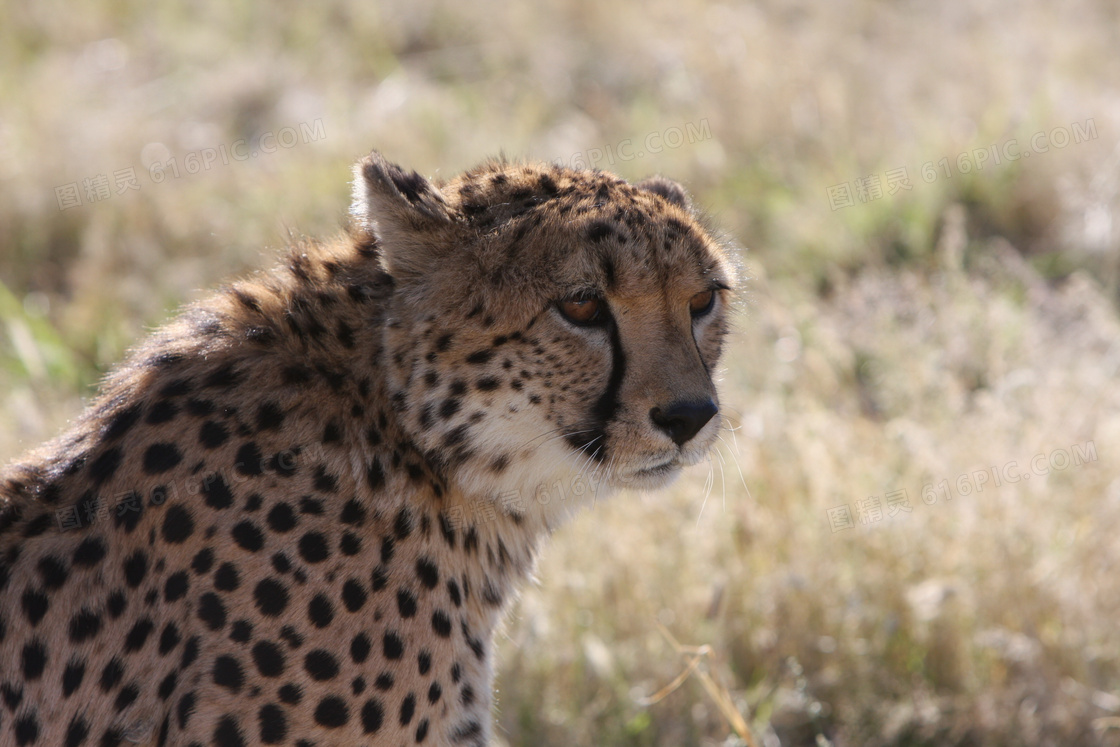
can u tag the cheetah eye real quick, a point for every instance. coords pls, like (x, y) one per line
(584, 312)
(702, 303)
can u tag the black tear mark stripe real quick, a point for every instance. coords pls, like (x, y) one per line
(607, 406)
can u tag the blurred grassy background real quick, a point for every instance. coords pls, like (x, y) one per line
(885, 343)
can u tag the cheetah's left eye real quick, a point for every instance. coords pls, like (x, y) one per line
(702, 303)
(583, 312)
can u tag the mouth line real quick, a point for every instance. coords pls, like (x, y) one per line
(658, 469)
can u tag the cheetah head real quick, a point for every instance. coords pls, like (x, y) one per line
(553, 333)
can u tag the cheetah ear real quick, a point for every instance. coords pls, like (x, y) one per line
(668, 189)
(406, 212)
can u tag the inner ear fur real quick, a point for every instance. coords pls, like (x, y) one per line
(408, 214)
(669, 189)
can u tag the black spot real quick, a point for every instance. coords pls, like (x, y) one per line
(384, 682)
(375, 475)
(111, 675)
(177, 525)
(406, 603)
(408, 709)
(468, 731)
(281, 518)
(121, 422)
(456, 436)
(350, 544)
(200, 408)
(190, 652)
(72, 676)
(360, 648)
(128, 512)
(487, 384)
(248, 460)
(380, 579)
(126, 696)
(447, 529)
(12, 695)
(423, 662)
(34, 659)
(290, 693)
(216, 492)
(320, 611)
(226, 577)
(309, 505)
(105, 465)
(428, 572)
(453, 592)
(135, 568)
(392, 646)
(448, 408)
(227, 733)
(434, 693)
(167, 686)
(76, 732)
(253, 502)
(241, 631)
(402, 525)
(161, 457)
(273, 723)
(212, 611)
(269, 658)
(248, 535)
(599, 230)
(116, 603)
(281, 563)
(296, 375)
(284, 463)
(176, 586)
(223, 378)
(313, 547)
(84, 625)
(480, 356)
(227, 673)
(332, 712)
(169, 639)
(37, 526)
(203, 560)
(212, 434)
(388, 545)
(321, 665)
(186, 708)
(324, 481)
(466, 696)
(353, 595)
(26, 729)
(441, 624)
(269, 417)
(422, 731)
(373, 715)
(52, 571)
(161, 412)
(138, 635)
(271, 597)
(353, 513)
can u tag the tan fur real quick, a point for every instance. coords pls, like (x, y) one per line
(342, 469)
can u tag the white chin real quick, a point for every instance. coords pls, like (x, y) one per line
(648, 479)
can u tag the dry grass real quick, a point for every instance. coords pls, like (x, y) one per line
(958, 326)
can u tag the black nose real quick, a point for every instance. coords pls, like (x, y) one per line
(683, 420)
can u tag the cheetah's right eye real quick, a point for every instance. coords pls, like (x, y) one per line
(585, 312)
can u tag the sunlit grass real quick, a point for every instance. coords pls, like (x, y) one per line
(915, 337)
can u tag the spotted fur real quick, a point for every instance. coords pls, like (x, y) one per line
(295, 514)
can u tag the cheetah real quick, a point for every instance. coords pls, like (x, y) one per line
(296, 513)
